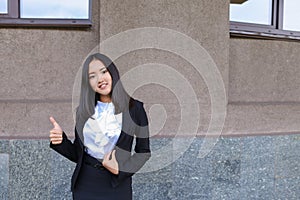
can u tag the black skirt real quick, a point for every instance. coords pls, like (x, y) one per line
(95, 184)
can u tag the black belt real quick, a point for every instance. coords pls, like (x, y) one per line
(89, 160)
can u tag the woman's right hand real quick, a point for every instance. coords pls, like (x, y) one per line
(56, 134)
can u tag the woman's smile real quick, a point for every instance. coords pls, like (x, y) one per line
(102, 85)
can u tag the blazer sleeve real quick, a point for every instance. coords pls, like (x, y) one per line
(67, 148)
(142, 148)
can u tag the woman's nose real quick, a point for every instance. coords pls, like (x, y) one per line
(100, 79)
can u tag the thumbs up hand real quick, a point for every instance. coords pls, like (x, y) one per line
(56, 132)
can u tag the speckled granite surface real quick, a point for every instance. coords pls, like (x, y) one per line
(264, 167)
(4, 175)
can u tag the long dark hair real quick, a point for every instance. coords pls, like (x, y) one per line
(88, 97)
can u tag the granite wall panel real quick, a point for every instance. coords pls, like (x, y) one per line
(258, 167)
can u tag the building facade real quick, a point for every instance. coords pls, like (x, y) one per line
(256, 154)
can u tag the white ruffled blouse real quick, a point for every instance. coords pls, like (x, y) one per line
(101, 133)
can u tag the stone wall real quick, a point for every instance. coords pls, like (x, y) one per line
(257, 167)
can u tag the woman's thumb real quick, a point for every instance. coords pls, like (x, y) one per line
(52, 120)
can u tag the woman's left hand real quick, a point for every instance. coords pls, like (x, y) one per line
(111, 164)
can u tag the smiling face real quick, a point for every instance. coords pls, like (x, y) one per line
(100, 80)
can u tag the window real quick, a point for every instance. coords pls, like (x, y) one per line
(291, 15)
(253, 11)
(265, 18)
(45, 13)
(3, 7)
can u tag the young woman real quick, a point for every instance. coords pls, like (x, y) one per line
(107, 121)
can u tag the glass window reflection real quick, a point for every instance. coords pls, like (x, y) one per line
(3, 7)
(291, 15)
(252, 11)
(54, 9)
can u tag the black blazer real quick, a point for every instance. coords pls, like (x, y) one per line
(134, 123)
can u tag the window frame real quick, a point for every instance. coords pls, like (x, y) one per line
(12, 19)
(273, 31)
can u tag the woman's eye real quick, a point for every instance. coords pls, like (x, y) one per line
(91, 77)
(104, 71)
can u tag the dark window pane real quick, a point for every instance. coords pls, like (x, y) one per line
(252, 11)
(55, 9)
(291, 15)
(3, 6)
